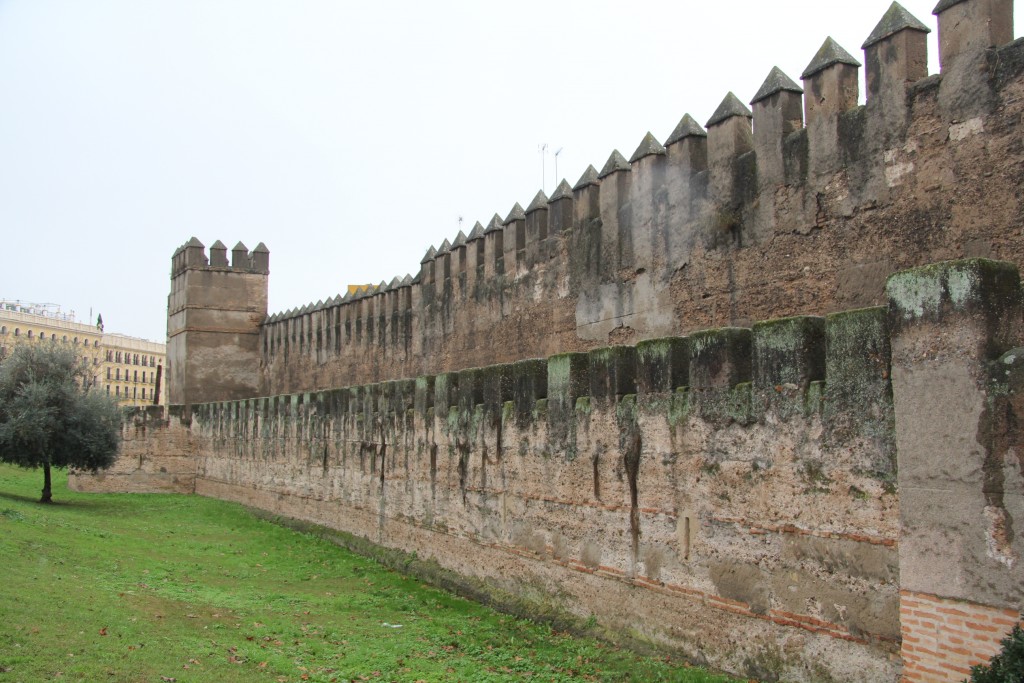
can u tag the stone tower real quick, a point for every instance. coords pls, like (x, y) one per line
(214, 312)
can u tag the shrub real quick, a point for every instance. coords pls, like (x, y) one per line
(1005, 667)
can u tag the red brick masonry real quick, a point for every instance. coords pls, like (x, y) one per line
(943, 638)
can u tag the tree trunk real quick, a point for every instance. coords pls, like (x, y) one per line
(47, 494)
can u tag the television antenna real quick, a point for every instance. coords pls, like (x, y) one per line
(543, 149)
(557, 152)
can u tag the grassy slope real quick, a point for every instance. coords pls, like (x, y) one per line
(158, 587)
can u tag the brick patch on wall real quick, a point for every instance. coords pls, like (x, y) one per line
(943, 638)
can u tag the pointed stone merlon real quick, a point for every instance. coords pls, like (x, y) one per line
(896, 54)
(778, 111)
(428, 267)
(778, 107)
(444, 257)
(969, 27)
(536, 228)
(648, 147)
(560, 209)
(687, 146)
(494, 248)
(476, 252)
(587, 197)
(240, 257)
(614, 194)
(515, 238)
(218, 255)
(260, 259)
(460, 253)
(729, 131)
(194, 252)
(955, 381)
(830, 83)
(647, 164)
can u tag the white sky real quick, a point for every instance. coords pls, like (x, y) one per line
(349, 137)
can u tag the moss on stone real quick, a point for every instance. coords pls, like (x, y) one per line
(424, 393)
(625, 410)
(567, 377)
(508, 412)
(720, 357)
(494, 384)
(968, 284)
(445, 386)
(858, 394)
(788, 350)
(679, 407)
(540, 408)
(612, 371)
(814, 399)
(663, 365)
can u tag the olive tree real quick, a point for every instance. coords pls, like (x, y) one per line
(50, 418)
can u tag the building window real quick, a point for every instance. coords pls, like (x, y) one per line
(65, 339)
(134, 392)
(75, 341)
(118, 371)
(135, 375)
(108, 373)
(30, 333)
(143, 376)
(117, 391)
(17, 331)
(143, 393)
(108, 390)
(3, 329)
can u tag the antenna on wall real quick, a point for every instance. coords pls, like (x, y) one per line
(557, 152)
(543, 149)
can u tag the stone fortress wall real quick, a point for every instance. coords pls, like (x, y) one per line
(826, 494)
(803, 205)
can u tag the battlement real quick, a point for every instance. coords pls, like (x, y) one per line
(193, 255)
(768, 211)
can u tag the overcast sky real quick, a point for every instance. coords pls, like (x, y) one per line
(348, 137)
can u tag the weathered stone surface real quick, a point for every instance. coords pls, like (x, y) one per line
(758, 538)
(896, 19)
(829, 54)
(730, 107)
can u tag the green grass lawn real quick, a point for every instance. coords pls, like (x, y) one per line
(131, 587)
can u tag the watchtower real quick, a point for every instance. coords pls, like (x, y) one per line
(214, 312)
